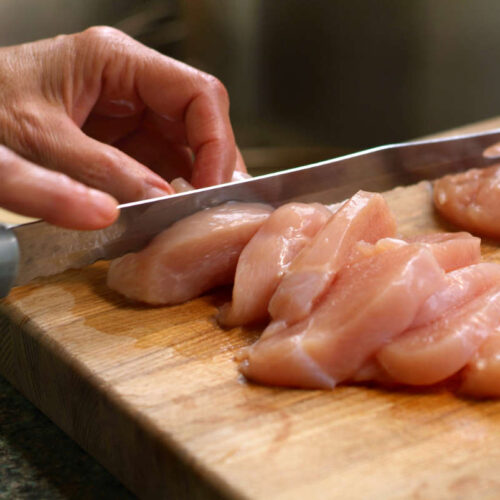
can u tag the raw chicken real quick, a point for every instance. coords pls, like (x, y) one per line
(192, 256)
(481, 376)
(372, 301)
(471, 200)
(462, 286)
(371, 371)
(266, 257)
(363, 249)
(364, 216)
(452, 250)
(434, 352)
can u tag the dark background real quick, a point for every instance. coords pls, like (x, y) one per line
(310, 77)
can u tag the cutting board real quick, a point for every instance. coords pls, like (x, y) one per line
(154, 394)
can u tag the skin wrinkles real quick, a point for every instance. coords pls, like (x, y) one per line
(113, 115)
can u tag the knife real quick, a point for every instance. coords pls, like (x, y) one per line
(37, 249)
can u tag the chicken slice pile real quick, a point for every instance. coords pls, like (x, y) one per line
(342, 299)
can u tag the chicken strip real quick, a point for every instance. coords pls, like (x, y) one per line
(364, 216)
(264, 260)
(371, 302)
(431, 353)
(189, 258)
(471, 200)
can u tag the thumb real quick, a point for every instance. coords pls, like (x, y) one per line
(33, 191)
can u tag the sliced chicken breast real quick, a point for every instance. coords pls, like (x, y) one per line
(189, 258)
(265, 259)
(364, 216)
(371, 302)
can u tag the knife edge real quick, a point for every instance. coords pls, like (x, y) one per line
(47, 250)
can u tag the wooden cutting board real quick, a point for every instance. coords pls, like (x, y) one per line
(155, 396)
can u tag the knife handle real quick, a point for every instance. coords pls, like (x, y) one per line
(9, 259)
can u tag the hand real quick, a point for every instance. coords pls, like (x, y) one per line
(99, 110)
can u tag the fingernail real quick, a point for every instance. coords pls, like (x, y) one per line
(181, 185)
(492, 151)
(104, 204)
(240, 176)
(156, 192)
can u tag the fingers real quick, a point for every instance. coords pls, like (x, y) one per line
(174, 91)
(36, 192)
(210, 136)
(240, 162)
(92, 162)
(104, 72)
(110, 129)
(169, 160)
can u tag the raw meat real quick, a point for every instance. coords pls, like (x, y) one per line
(434, 352)
(371, 371)
(364, 216)
(471, 200)
(462, 285)
(481, 376)
(363, 249)
(266, 257)
(371, 301)
(452, 250)
(190, 257)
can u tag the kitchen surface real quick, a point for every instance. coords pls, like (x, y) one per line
(306, 83)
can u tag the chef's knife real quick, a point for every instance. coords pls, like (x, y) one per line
(36, 249)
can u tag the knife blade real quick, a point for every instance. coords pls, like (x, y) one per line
(37, 249)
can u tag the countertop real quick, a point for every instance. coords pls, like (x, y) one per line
(38, 461)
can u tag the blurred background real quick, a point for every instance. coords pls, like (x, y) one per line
(308, 79)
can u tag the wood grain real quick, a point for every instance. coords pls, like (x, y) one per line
(154, 395)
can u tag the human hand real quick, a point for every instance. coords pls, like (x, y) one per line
(99, 110)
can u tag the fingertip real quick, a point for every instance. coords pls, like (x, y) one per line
(240, 163)
(158, 192)
(105, 208)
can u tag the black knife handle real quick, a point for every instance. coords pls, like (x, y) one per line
(9, 259)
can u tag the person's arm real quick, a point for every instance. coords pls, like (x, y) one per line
(99, 110)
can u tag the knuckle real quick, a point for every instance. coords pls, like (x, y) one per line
(101, 171)
(215, 87)
(109, 159)
(100, 34)
(99, 41)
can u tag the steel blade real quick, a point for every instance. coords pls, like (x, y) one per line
(48, 250)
